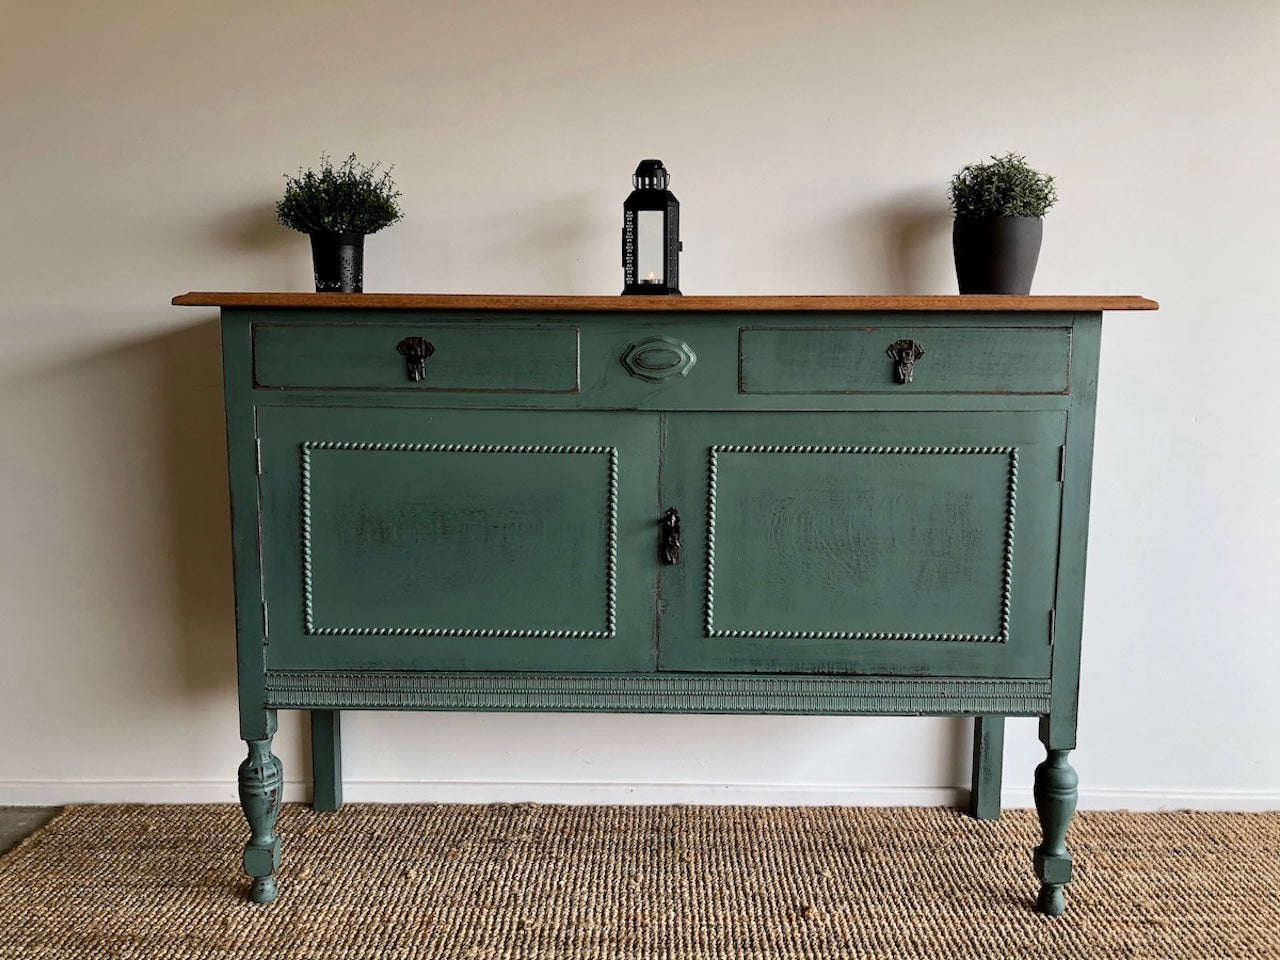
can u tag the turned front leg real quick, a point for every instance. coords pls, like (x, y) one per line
(261, 784)
(1055, 792)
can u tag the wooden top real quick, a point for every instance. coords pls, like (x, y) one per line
(431, 301)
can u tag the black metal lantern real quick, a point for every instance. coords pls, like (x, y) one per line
(651, 234)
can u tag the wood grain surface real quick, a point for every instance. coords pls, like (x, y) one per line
(430, 301)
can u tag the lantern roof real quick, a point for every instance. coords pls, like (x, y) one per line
(651, 175)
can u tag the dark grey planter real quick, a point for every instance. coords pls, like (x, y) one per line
(996, 254)
(339, 262)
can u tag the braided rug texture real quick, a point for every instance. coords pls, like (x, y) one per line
(502, 882)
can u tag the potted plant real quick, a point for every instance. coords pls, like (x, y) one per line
(996, 237)
(337, 207)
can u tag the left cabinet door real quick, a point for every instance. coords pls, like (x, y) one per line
(423, 539)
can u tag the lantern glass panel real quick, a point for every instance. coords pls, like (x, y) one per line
(651, 245)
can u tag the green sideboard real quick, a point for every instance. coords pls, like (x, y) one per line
(815, 505)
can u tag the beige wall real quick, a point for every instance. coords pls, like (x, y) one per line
(141, 149)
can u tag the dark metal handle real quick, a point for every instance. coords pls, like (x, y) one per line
(415, 351)
(670, 537)
(904, 354)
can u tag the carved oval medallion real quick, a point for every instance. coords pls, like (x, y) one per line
(658, 358)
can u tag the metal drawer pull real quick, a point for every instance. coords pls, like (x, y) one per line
(670, 537)
(415, 351)
(904, 354)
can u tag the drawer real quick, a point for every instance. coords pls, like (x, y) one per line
(956, 359)
(466, 357)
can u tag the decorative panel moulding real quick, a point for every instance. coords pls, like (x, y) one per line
(1006, 574)
(310, 626)
(670, 693)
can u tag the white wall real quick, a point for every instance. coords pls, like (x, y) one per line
(810, 143)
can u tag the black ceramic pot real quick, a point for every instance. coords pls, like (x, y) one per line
(996, 254)
(339, 262)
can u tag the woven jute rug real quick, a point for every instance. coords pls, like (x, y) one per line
(599, 883)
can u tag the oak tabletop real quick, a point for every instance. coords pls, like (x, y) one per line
(664, 304)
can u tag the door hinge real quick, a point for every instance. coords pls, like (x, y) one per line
(266, 622)
(258, 443)
(1062, 463)
(1053, 625)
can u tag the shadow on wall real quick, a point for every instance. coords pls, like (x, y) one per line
(187, 421)
(550, 238)
(131, 445)
(916, 246)
(190, 427)
(281, 257)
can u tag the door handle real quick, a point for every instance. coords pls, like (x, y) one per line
(669, 537)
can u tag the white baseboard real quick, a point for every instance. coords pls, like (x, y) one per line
(58, 792)
(745, 794)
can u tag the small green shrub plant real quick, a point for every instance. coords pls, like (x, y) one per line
(347, 198)
(1005, 187)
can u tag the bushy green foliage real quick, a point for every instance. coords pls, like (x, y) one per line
(1005, 187)
(348, 198)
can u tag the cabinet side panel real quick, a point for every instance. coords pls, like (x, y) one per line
(256, 722)
(1058, 729)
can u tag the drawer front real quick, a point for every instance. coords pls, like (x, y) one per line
(959, 359)
(470, 358)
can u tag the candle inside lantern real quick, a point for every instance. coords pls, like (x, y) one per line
(650, 246)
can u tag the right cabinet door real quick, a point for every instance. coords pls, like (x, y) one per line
(907, 544)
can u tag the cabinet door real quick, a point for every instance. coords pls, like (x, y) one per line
(458, 539)
(878, 543)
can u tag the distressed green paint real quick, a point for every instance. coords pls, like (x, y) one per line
(602, 341)
(1058, 728)
(395, 539)
(1056, 786)
(655, 693)
(988, 751)
(256, 721)
(920, 544)
(326, 759)
(488, 538)
(522, 358)
(968, 359)
(261, 781)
